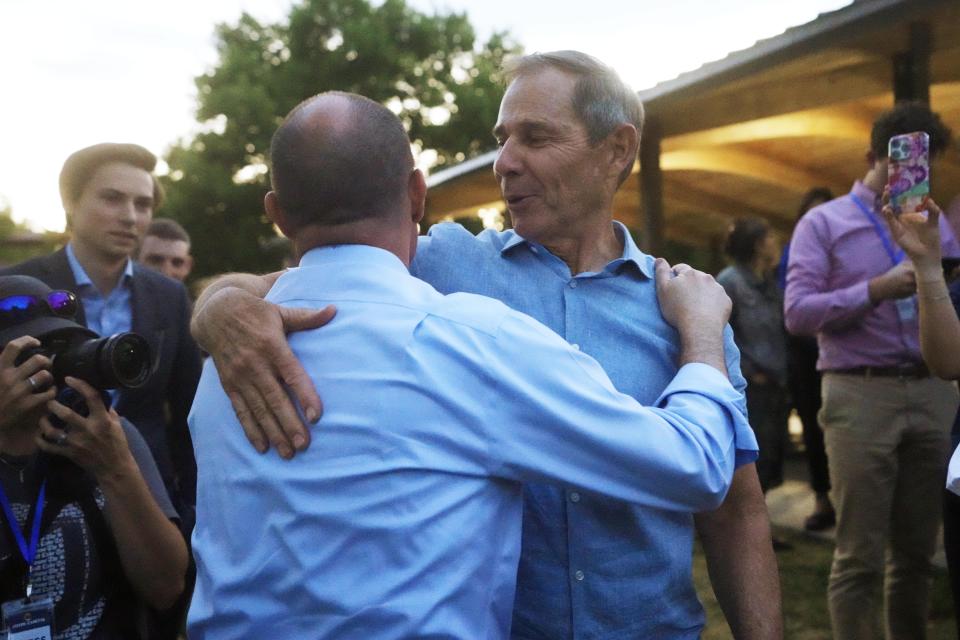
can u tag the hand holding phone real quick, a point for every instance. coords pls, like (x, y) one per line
(908, 173)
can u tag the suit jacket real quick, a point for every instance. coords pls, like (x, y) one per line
(161, 314)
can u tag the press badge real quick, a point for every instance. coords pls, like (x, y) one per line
(29, 619)
(907, 308)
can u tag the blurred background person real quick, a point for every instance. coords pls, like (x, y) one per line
(166, 248)
(107, 530)
(803, 382)
(757, 322)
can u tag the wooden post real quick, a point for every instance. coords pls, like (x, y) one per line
(911, 69)
(651, 187)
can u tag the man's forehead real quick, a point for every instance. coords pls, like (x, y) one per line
(526, 122)
(538, 97)
(123, 177)
(163, 246)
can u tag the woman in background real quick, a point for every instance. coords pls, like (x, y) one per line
(939, 303)
(757, 322)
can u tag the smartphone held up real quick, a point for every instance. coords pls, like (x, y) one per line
(908, 174)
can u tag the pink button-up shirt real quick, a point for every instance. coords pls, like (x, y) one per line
(834, 253)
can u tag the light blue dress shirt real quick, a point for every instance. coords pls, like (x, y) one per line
(403, 518)
(591, 566)
(104, 315)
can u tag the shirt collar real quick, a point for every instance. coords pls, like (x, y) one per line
(80, 275)
(631, 253)
(866, 195)
(352, 254)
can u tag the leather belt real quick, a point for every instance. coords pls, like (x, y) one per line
(915, 370)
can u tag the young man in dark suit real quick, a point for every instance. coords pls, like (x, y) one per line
(109, 195)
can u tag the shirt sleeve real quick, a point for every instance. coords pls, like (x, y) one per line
(558, 418)
(148, 469)
(809, 306)
(746, 440)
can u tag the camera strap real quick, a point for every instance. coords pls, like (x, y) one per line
(896, 256)
(28, 551)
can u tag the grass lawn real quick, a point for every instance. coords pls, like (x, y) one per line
(803, 579)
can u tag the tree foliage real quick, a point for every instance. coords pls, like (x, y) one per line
(18, 242)
(428, 69)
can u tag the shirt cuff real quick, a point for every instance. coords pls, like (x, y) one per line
(705, 380)
(860, 295)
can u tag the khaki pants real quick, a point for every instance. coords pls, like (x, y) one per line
(887, 443)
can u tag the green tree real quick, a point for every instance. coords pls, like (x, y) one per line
(18, 242)
(428, 69)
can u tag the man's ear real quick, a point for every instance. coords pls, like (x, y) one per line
(271, 205)
(417, 194)
(623, 143)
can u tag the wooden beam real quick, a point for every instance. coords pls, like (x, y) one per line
(771, 98)
(686, 197)
(651, 187)
(741, 163)
(813, 123)
(911, 68)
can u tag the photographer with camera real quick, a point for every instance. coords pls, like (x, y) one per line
(87, 528)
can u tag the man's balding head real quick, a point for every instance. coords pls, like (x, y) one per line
(339, 158)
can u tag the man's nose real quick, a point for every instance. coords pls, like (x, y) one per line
(508, 161)
(128, 212)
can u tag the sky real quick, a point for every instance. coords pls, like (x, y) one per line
(74, 73)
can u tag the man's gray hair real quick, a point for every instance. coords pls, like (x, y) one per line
(601, 99)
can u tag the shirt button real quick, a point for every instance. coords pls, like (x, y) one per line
(579, 576)
(534, 249)
(574, 496)
(573, 284)
(575, 346)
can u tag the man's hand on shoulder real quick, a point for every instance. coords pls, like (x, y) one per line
(697, 306)
(246, 336)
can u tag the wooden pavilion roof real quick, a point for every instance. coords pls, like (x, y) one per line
(749, 134)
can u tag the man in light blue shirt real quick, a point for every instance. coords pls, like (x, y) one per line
(404, 520)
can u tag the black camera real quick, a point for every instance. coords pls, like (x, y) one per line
(120, 360)
(28, 307)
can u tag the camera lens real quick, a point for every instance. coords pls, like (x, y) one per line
(121, 360)
(126, 356)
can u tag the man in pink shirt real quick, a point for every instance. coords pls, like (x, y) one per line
(885, 418)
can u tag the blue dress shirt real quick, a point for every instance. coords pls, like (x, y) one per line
(105, 315)
(403, 518)
(591, 566)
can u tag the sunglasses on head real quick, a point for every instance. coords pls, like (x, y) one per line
(17, 309)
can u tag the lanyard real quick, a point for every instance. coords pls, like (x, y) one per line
(29, 553)
(896, 256)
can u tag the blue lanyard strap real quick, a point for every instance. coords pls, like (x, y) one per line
(29, 553)
(895, 255)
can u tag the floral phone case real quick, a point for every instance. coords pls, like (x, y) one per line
(909, 171)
